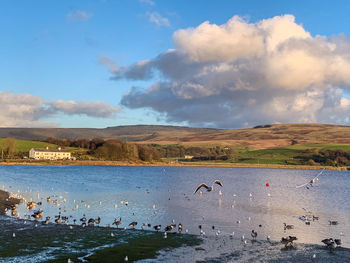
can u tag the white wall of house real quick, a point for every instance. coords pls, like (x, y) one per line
(45, 154)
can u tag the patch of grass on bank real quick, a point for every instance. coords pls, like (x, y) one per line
(268, 156)
(297, 154)
(25, 146)
(142, 248)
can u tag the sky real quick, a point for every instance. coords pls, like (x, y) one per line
(222, 64)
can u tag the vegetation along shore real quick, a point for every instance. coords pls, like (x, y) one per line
(306, 146)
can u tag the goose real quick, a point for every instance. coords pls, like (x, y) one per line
(288, 241)
(98, 221)
(157, 227)
(330, 243)
(91, 222)
(133, 224)
(209, 188)
(179, 227)
(83, 219)
(254, 234)
(117, 222)
(337, 241)
(169, 228)
(288, 226)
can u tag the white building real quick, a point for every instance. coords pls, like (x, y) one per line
(49, 154)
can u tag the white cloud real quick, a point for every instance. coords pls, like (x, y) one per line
(157, 19)
(78, 16)
(25, 110)
(93, 109)
(241, 73)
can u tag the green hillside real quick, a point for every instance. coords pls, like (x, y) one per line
(25, 146)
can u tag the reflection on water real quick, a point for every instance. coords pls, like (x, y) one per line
(158, 195)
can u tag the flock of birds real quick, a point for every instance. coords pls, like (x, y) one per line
(38, 214)
(330, 243)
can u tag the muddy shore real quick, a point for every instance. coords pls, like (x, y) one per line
(170, 164)
(7, 202)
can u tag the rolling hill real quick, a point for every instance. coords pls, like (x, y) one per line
(260, 137)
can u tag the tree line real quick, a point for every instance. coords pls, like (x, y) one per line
(197, 153)
(118, 150)
(8, 148)
(326, 157)
(113, 150)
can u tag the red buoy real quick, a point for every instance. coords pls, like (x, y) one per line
(267, 184)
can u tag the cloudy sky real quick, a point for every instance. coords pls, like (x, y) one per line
(226, 64)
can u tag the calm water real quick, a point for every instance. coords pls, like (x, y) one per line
(158, 195)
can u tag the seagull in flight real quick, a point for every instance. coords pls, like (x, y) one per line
(310, 183)
(209, 188)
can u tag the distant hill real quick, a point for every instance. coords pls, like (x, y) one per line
(260, 137)
(131, 132)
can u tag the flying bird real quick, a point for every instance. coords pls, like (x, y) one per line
(209, 188)
(310, 183)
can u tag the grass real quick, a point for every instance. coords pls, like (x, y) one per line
(59, 243)
(25, 146)
(289, 155)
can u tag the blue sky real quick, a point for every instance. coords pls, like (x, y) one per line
(52, 50)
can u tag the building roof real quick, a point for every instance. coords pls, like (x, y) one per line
(50, 150)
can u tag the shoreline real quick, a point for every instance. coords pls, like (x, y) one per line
(7, 202)
(168, 164)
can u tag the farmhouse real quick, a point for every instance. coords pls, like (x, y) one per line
(49, 154)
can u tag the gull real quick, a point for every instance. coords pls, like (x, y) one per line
(209, 188)
(310, 183)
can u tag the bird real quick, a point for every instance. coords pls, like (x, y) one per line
(169, 228)
(310, 183)
(333, 222)
(117, 222)
(179, 227)
(98, 220)
(254, 234)
(209, 188)
(91, 222)
(83, 219)
(133, 224)
(337, 241)
(288, 241)
(331, 243)
(288, 226)
(157, 227)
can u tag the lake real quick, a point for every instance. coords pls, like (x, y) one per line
(162, 195)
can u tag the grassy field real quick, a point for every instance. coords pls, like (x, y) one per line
(25, 146)
(282, 155)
